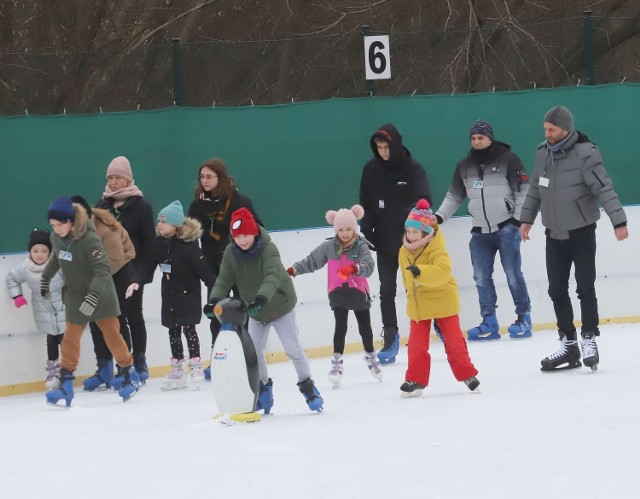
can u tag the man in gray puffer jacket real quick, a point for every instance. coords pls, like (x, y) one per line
(569, 185)
(494, 180)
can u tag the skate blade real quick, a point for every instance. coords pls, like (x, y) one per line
(386, 362)
(172, 388)
(563, 367)
(411, 395)
(59, 406)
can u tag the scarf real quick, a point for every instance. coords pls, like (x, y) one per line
(412, 247)
(121, 195)
(213, 214)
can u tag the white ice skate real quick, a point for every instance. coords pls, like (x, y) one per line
(197, 371)
(176, 379)
(374, 365)
(335, 375)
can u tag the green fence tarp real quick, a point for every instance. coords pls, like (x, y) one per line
(294, 161)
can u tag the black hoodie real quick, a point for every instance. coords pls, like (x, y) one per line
(388, 191)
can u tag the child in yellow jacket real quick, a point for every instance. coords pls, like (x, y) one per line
(432, 293)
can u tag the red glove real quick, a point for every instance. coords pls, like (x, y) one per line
(291, 271)
(346, 270)
(19, 301)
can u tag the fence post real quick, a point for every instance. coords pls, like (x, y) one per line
(365, 32)
(177, 71)
(588, 40)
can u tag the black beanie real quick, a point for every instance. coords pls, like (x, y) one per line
(38, 236)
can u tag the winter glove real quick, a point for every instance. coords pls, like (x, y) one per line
(88, 305)
(134, 286)
(208, 308)
(256, 305)
(346, 270)
(414, 270)
(19, 301)
(291, 271)
(44, 290)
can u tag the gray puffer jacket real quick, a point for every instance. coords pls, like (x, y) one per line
(48, 314)
(496, 187)
(578, 185)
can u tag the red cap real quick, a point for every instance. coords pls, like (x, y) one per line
(243, 223)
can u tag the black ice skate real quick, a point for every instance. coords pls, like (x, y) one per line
(567, 357)
(472, 383)
(589, 350)
(410, 389)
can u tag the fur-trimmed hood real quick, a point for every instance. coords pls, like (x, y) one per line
(81, 222)
(190, 231)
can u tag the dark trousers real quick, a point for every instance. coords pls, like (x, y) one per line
(364, 328)
(388, 274)
(580, 251)
(53, 343)
(121, 279)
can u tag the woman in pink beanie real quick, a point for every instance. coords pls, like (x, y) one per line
(349, 264)
(127, 204)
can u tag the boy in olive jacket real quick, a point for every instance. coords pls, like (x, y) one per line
(252, 263)
(89, 295)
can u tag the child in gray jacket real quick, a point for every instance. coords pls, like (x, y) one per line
(349, 263)
(48, 314)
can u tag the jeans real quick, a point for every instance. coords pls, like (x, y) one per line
(483, 248)
(579, 250)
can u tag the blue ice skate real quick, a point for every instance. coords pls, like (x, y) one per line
(131, 383)
(311, 394)
(64, 391)
(488, 330)
(521, 328)
(391, 346)
(265, 398)
(140, 363)
(103, 376)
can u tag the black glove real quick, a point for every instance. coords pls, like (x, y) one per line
(414, 270)
(256, 305)
(208, 308)
(44, 289)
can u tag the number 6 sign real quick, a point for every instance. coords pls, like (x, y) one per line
(377, 60)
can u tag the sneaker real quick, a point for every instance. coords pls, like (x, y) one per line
(567, 357)
(472, 383)
(53, 374)
(197, 373)
(311, 394)
(411, 389)
(589, 351)
(177, 377)
(335, 374)
(374, 365)
(521, 328)
(488, 329)
(391, 346)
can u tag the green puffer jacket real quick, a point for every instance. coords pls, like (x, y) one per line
(88, 271)
(258, 271)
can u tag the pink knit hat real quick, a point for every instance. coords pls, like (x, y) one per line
(120, 166)
(345, 218)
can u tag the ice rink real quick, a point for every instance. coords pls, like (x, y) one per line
(565, 435)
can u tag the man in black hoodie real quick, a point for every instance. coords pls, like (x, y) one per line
(391, 184)
(494, 180)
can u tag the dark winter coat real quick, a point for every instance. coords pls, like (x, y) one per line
(258, 271)
(495, 183)
(214, 214)
(87, 272)
(388, 191)
(578, 186)
(183, 267)
(136, 216)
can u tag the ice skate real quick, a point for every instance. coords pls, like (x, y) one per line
(488, 330)
(131, 383)
(311, 394)
(335, 374)
(197, 372)
(411, 389)
(102, 378)
(64, 391)
(118, 379)
(265, 397)
(176, 379)
(567, 357)
(374, 365)
(140, 363)
(472, 383)
(391, 346)
(589, 350)
(521, 328)
(53, 374)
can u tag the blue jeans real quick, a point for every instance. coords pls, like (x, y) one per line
(483, 248)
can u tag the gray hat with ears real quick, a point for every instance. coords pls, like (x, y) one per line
(561, 117)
